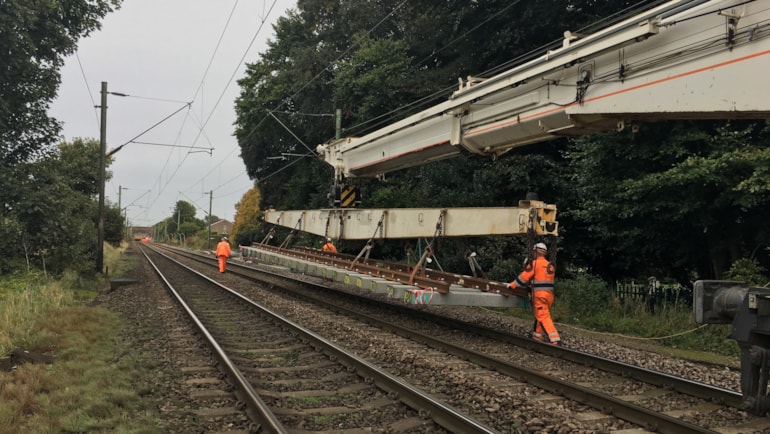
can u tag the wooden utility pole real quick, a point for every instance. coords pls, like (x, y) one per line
(102, 164)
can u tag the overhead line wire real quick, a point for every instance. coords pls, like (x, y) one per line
(216, 49)
(148, 129)
(492, 71)
(312, 79)
(315, 77)
(195, 95)
(202, 127)
(90, 95)
(235, 71)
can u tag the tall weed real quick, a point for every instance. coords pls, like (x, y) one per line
(25, 299)
(589, 303)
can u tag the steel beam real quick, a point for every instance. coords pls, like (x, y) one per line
(401, 223)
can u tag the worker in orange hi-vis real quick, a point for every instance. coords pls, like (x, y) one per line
(540, 274)
(223, 252)
(329, 247)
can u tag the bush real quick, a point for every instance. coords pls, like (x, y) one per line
(749, 271)
(505, 270)
(583, 296)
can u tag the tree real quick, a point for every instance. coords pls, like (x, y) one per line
(36, 36)
(248, 218)
(114, 225)
(53, 217)
(183, 220)
(380, 61)
(210, 219)
(683, 197)
(46, 216)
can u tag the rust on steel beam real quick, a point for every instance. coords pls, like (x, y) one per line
(481, 284)
(399, 272)
(440, 286)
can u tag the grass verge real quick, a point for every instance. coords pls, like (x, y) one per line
(88, 387)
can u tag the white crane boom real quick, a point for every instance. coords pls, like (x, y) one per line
(686, 59)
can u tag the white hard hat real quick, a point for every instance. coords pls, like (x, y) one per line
(541, 246)
(329, 240)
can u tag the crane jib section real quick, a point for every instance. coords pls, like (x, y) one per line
(681, 60)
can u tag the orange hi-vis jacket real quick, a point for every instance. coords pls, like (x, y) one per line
(539, 273)
(223, 249)
(223, 252)
(329, 247)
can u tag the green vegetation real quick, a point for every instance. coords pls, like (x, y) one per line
(49, 188)
(308, 400)
(88, 387)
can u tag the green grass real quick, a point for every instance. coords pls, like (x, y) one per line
(88, 387)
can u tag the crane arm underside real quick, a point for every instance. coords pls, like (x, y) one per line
(682, 60)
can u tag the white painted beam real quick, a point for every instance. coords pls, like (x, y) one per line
(395, 223)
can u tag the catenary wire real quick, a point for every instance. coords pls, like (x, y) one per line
(202, 128)
(410, 108)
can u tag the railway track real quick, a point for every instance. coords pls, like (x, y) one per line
(289, 379)
(487, 372)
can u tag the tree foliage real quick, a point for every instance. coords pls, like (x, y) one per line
(52, 221)
(676, 199)
(183, 220)
(47, 200)
(683, 196)
(246, 228)
(36, 35)
(376, 61)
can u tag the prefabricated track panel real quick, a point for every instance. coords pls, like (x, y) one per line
(409, 294)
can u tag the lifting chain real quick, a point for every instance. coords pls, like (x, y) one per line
(342, 225)
(439, 231)
(326, 231)
(269, 236)
(381, 224)
(288, 239)
(370, 243)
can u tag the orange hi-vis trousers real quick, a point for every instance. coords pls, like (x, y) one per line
(222, 263)
(542, 302)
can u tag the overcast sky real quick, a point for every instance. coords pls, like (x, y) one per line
(165, 54)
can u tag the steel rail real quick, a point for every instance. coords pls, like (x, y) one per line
(443, 414)
(440, 280)
(392, 274)
(681, 385)
(625, 410)
(255, 406)
(628, 411)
